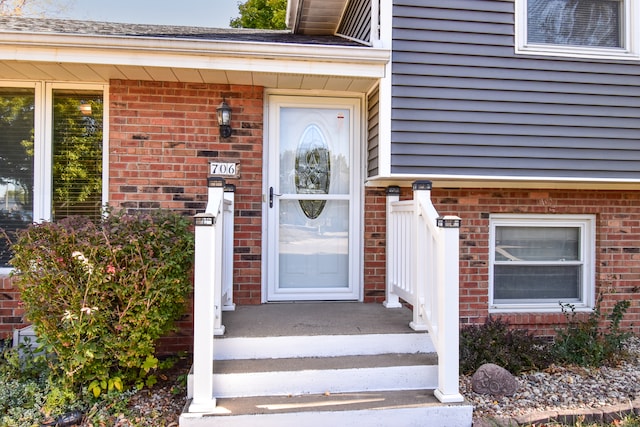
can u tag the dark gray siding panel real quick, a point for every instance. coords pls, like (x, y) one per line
(356, 21)
(465, 104)
(372, 133)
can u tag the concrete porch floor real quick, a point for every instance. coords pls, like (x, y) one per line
(314, 318)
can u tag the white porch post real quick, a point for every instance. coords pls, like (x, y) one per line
(391, 299)
(448, 301)
(205, 272)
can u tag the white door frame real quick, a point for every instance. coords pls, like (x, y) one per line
(270, 264)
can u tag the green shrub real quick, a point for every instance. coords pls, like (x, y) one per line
(24, 387)
(516, 350)
(100, 294)
(585, 342)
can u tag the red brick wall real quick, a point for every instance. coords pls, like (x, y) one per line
(11, 311)
(375, 223)
(162, 137)
(617, 244)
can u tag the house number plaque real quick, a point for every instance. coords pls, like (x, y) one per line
(224, 169)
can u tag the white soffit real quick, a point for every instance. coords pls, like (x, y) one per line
(315, 17)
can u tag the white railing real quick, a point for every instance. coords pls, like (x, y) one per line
(213, 287)
(423, 270)
(227, 246)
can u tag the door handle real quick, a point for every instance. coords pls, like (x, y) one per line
(271, 195)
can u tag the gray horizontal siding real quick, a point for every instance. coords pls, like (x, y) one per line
(372, 133)
(465, 104)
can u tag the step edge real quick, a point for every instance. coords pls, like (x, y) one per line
(222, 367)
(453, 415)
(321, 381)
(321, 345)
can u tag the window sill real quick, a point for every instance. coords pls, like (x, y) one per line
(536, 308)
(568, 52)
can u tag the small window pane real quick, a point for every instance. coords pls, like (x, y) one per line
(591, 23)
(16, 163)
(521, 282)
(77, 154)
(537, 244)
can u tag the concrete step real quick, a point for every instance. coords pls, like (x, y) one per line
(282, 377)
(324, 364)
(371, 409)
(320, 345)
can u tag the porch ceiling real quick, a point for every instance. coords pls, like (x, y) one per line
(102, 73)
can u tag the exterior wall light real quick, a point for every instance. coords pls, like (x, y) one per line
(448, 222)
(204, 219)
(224, 119)
(85, 108)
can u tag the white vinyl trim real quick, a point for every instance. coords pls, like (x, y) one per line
(385, 92)
(474, 181)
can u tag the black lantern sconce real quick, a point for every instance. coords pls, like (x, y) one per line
(85, 108)
(224, 119)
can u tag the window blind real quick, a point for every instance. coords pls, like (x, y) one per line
(590, 23)
(16, 163)
(77, 154)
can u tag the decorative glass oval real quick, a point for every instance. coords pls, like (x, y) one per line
(312, 170)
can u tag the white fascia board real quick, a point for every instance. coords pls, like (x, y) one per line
(481, 181)
(350, 61)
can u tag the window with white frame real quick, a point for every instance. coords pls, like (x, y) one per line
(539, 261)
(580, 28)
(51, 154)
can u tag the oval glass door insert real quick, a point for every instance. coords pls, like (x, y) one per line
(312, 170)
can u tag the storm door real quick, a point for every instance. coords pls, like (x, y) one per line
(312, 199)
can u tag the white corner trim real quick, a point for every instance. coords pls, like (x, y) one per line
(385, 91)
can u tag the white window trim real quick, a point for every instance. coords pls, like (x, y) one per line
(586, 223)
(42, 159)
(631, 40)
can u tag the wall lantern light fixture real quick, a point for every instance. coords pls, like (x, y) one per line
(224, 119)
(448, 221)
(85, 108)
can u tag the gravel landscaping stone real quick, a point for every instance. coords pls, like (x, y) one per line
(565, 393)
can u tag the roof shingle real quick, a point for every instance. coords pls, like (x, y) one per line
(90, 28)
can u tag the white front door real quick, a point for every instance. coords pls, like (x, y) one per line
(313, 199)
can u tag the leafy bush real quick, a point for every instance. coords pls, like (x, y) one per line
(495, 342)
(24, 387)
(584, 342)
(28, 399)
(100, 294)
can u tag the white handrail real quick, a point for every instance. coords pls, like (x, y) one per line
(213, 287)
(423, 270)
